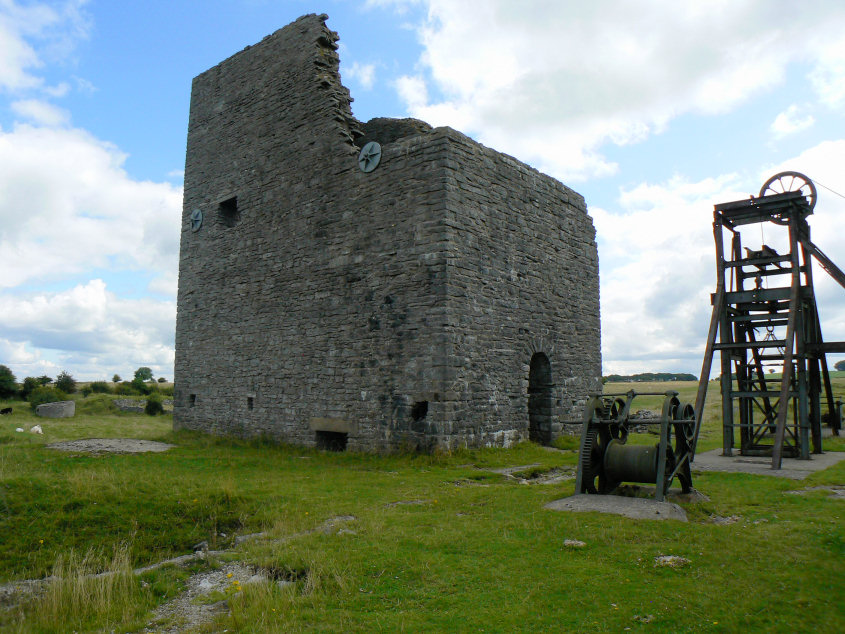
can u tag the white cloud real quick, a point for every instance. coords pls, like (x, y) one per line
(33, 32)
(59, 90)
(364, 74)
(67, 206)
(828, 76)
(41, 112)
(551, 82)
(413, 92)
(657, 263)
(790, 121)
(89, 328)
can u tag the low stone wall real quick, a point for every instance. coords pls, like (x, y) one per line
(59, 409)
(131, 405)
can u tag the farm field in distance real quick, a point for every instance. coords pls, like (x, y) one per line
(357, 542)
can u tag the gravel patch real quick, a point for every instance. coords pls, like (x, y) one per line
(110, 445)
(635, 508)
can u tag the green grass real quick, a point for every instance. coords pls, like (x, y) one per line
(478, 553)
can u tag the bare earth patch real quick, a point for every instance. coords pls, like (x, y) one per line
(110, 445)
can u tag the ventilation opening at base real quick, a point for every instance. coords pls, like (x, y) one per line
(332, 440)
(419, 410)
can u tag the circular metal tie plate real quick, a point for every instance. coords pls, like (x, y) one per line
(369, 157)
(196, 220)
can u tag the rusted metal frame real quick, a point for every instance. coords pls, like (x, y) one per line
(808, 247)
(802, 407)
(826, 263)
(786, 377)
(813, 334)
(758, 432)
(715, 317)
(769, 419)
(836, 419)
(726, 339)
(761, 379)
(742, 336)
(815, 389)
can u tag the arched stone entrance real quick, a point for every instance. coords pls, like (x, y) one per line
(540, 399)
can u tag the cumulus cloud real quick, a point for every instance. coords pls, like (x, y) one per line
(790, 121)
(68, 206)
(41, 112)
(364, 74)
(828, 76)
(31, 33)
(89, 328)
(657, 263)
(553, 89)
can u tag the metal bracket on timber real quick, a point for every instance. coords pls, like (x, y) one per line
(766, 319)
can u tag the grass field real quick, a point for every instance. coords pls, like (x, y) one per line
(438, 543)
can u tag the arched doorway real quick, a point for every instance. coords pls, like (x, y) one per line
(540, 399)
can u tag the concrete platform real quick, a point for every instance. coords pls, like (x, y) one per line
(635, 508)
(762, 465)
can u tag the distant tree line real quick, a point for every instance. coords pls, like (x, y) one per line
(649, 376)
(44, 389)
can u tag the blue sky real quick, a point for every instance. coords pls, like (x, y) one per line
(654, 111)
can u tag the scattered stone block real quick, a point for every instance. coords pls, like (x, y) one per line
(58, 409)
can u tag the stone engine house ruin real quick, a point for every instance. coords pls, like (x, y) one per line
(447, 298)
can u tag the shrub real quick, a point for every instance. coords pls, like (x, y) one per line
(167, 390)
(840, 365)
(140, 386)
(86, 391)
(45, 394)
(153, 406)
(66, 383)
(100, 387)
(126, 388)
(161, 379)
(30, 383)
(8, 383)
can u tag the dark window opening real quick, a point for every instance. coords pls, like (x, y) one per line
(332, 440)
(228, 212)
(419, 410)
(192, 400)
(250, 402)
(540, 400)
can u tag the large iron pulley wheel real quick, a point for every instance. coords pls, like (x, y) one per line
(684, 429)
(790, 182)
(597, 441)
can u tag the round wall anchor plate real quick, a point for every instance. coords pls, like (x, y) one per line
(196, 220)
(369, 157)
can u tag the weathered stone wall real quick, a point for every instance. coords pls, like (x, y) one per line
(523, 281)
(400, 306)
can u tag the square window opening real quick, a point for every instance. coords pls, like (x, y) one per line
(228, 212)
